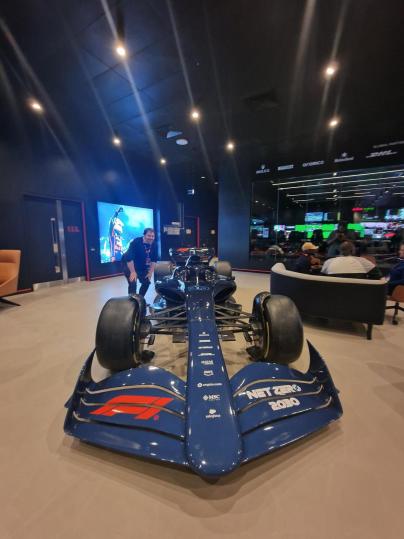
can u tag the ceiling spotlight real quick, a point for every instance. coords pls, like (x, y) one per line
(334, 173)
(333, 123)
(230, 146)
(116, 141)
(203, 177)
(36, 106)
(120, 50)
(181, 141)
(216, 183)
(330, 70)
(163, 161)
(195, 115)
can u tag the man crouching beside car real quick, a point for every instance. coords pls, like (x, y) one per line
(139, 262)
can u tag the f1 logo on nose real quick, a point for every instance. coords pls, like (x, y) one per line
(140, 406)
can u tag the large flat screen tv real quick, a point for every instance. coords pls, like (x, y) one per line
(118, 225)
(314, 217)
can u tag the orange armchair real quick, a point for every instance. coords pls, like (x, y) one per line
(9, 272)
(398, 297)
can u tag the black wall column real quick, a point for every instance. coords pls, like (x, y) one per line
(234, 212)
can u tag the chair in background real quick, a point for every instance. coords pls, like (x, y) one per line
(339, 298)
(9, 272)
(398, 297)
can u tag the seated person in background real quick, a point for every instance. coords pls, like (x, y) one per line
(307, 262)
(317, 237)
(335, 240)
(348, 265)
(397, 273)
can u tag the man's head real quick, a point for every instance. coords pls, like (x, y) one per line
(309, 248)
(347, 249)
(341, 227)
(401, 250)
(149, 235)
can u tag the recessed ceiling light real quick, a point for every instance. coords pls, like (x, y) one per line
(195, 115)
(163, 161)
(203, 177)
(230, 146)
(333, 123)
(181, 141)
(36, 106)
(334, 174)
(120, 50)
(116, 141)
(330, 70)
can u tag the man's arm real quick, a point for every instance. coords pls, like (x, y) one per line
(153, 258)
(131, 266)
(331, 238)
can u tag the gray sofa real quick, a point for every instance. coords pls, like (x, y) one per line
(359, 300)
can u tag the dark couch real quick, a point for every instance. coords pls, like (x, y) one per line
(359, 300)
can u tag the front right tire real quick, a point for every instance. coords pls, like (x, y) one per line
(279, 329)
(118, 340)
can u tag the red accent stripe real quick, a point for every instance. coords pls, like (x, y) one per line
(198, 236)
(197, 220)
(105, 276)
(83, 218)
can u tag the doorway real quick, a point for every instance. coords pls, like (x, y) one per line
(55, 242)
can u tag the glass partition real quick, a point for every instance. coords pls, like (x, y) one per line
(366, 205)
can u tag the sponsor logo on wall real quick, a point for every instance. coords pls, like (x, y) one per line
(285, 167)
(264, 169)
(382, 153)
(386, 144)
(313, 163)
(344, 157)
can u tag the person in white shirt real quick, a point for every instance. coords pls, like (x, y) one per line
(348, 265)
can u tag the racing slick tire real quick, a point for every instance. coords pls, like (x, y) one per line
(279, 336)
(223, 268)
(118, 338)
(162, 269)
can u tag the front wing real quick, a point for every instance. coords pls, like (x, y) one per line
(148, 412)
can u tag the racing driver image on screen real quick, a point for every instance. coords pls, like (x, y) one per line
(115, 236)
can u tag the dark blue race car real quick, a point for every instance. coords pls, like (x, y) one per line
(210, 423)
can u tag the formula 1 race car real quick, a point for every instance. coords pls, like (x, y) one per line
(210, 423)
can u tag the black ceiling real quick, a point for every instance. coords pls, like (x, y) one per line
(254, 68)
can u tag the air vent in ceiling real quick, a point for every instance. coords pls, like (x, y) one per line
(262, 101)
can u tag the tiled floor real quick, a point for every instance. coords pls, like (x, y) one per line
(346, 482)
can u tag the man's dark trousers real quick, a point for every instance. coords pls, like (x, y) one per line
(144, 283)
